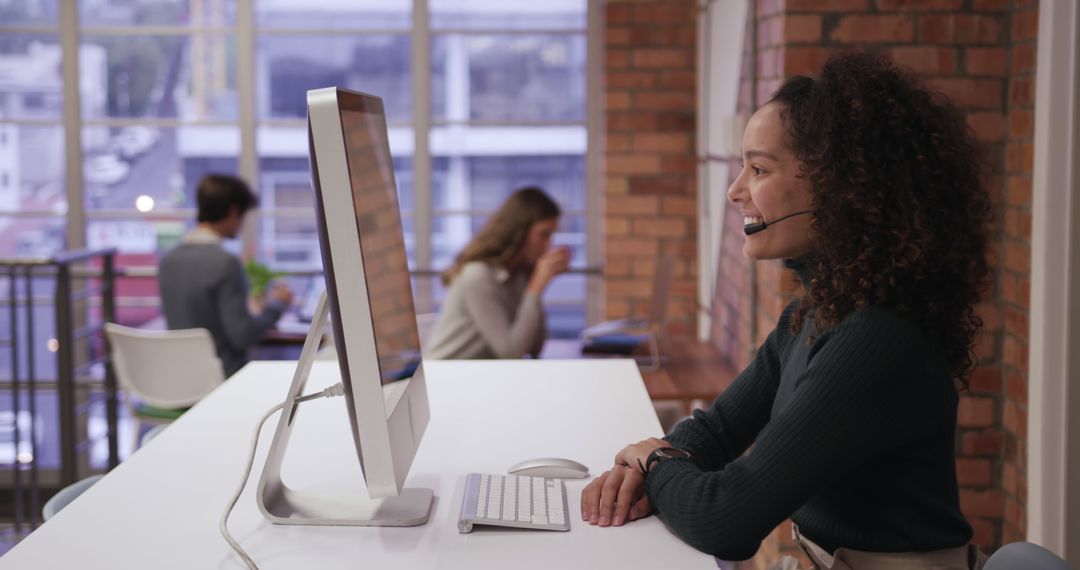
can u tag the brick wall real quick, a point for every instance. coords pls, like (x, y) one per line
(1015, 277)
(650, 194)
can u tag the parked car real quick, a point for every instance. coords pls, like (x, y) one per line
(105, 169)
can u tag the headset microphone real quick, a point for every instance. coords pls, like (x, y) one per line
(761, 226)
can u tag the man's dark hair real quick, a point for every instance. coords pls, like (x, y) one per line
(219, 193)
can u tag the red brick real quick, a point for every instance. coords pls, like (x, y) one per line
(616, 266)
(1019, 191)
(983, 534)
(617, 100)
(616, 59)
(992, 62)
(975, 412)
(989, 503)
(960, 29)
(1018, 257)
(662, 142)
(974, 472)
(862, 28)
(803, 61)
(682, 120)
(659, 185)
(991, 5)
(986, 380)
(660, 227)
(1015, 418)
(982, 442)
(617, 13)
(615, 142)
(632, 205)
(826, 5)
(769, 33)
(664, 100)
(629, 288)
(667, 12)
(616, 226)
(617, 36)
(926, 60)
(616, 308)
(919, 5)
(678, 205)
(679, 80)
(768, 62)
(663, 36)
(631, 246)
(633, 164)
(988, 126)
(615, 185)
(675, 164)
(1022, 92)
(631, 121)
(1025, 25)
(1016, 322)
(970, 93)
(802, 28)
(1016, 386)
(1023, 58)
(1021, 124)
(652, 58)
(630, 79)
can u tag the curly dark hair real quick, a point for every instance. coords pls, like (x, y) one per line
(901, 218)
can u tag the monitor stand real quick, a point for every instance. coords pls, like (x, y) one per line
(283, 505)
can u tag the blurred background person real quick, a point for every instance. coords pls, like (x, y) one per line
(493, 307)
(204, 286)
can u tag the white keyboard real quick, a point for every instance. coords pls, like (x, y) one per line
(507, 500)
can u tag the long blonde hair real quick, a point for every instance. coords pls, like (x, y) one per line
(504, 234)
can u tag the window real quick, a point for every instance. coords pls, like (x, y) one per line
(165, 98)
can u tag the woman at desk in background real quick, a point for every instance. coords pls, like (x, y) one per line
(851, 402)
(493, 307)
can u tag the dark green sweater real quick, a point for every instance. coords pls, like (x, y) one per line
(853, 439)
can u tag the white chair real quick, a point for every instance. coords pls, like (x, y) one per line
(66, 495)
(163, 373)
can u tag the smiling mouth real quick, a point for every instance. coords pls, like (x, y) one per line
(750, 220)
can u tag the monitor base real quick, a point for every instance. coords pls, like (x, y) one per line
(291, 507)
(282, 505)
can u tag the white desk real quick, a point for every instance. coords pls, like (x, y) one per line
(160, 509)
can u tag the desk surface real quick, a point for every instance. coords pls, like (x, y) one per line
(160, 509)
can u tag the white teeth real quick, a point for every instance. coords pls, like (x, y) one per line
(747, 220)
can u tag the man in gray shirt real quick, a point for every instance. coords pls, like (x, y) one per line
(204, 286)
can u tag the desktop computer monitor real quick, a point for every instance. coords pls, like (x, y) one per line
(369, 298)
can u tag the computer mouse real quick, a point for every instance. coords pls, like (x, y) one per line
(550, 467)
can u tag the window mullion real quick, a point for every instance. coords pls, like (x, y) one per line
(421, 89)
(245, 93)
(72, 113)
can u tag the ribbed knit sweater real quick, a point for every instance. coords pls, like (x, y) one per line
(853, 438)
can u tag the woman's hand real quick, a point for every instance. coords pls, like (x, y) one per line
(551, 264)
(618, 495)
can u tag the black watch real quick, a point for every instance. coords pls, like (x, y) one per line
(663, 454)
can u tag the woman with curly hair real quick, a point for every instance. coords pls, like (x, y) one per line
(869, 187)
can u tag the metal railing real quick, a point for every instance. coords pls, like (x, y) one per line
(81, 304)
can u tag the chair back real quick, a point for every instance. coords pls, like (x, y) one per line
(1025, 556)
(167, 369)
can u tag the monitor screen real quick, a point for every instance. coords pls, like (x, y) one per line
(378, 221)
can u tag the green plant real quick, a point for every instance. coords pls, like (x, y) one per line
(260, 276)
